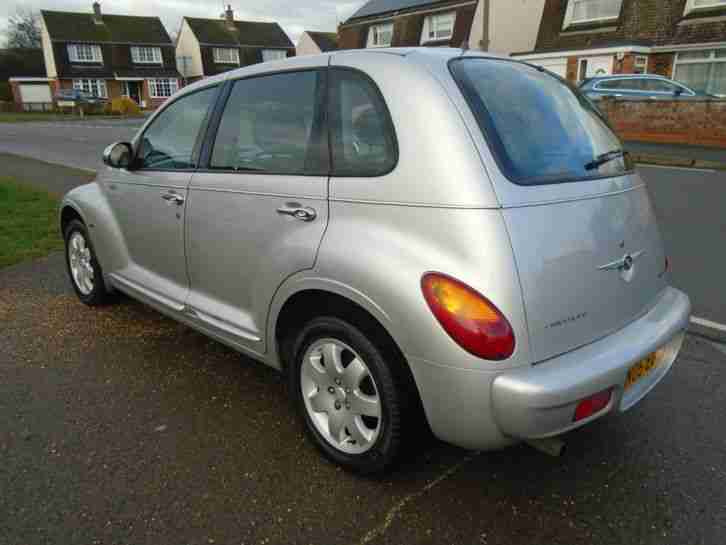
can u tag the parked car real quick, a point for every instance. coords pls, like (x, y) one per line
(638, 86)
(479, 256)
(78, 96)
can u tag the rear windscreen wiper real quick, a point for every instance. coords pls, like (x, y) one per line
(604, 158)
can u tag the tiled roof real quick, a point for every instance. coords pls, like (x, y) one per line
(67, 26)
(219, 32)
(326, 41)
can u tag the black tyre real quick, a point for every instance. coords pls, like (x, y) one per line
(83, 269)
(349, 395)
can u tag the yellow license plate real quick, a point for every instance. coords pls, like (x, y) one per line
(641, 369)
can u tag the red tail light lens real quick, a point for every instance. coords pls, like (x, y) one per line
(592, 405)
(468, 317)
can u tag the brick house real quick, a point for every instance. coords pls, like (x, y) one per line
(681, 39)
(206, 47)
(109, 55)
(314, 43)
(512, 25)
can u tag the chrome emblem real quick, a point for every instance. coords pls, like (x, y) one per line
(625, 265)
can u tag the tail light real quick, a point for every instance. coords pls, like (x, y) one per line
(468, 317)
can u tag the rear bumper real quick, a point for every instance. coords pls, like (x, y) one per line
(540, 401)
(489, 409)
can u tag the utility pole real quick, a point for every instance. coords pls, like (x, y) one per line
(485, 25)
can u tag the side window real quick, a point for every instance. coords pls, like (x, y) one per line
(363, 139)
(610, 85)
(659, 86)
(169, 142)
(272, 124)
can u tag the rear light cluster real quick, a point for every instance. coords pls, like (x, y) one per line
(468, 317)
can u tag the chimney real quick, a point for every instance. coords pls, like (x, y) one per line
(229, 15)
(97, 13)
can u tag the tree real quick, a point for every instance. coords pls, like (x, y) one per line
(23, 29)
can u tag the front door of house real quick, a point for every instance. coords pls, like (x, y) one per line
(133, 91)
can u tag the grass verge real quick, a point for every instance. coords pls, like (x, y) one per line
(28, 222)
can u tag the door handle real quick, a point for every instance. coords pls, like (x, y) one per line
(297, 211)
(173, 197)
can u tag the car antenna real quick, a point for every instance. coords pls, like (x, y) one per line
(464, 47)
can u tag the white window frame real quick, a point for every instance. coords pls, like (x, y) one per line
(691, 5)
(141, 54)
(226, 55)
(644, 65)
(95, 87)
(160, 84)
(431, 24)
(570, 13)
(374, 31)
(90, 53)
(711, 60)
(273, 55)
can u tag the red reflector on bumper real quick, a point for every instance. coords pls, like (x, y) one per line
(592, 405)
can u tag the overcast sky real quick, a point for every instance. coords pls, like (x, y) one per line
(294, 15)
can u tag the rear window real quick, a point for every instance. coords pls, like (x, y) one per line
(540, 129)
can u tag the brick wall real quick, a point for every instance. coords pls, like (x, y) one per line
(695, 122)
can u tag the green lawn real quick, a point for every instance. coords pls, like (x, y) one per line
(28, 222)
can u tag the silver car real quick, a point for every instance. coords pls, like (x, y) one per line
(416, 237)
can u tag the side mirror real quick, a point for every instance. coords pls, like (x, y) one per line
(118, 155)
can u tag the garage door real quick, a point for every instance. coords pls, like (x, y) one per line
(35, 92)
(558, 66)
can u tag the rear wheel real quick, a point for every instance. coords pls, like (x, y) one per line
(83, 268)
(347, 395)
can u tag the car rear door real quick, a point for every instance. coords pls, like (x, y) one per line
(149, 200)
(258, 209)
(582, 229)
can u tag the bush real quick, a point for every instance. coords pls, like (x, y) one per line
(6, 92)
(124, 106)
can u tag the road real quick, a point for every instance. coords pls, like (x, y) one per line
(689, 203)
(118, 425)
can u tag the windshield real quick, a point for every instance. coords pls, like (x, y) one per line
(541, 130)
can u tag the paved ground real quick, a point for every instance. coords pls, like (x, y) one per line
(120, 426)
(699, 153)
(73, 143)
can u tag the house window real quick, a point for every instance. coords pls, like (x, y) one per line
(693, 5)
(380, 35)
(146, 55)
(95, 87)
(226, 55)
(591, 11)
(273, 54)
(162, 87)
(703, 71)
(640, 65)
(84, 53)
(439, 26)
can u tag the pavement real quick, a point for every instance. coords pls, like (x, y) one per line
(118, 425)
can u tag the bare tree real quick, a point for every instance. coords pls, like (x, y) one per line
(23, 29)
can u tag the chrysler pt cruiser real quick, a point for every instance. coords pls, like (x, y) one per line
(414, 236)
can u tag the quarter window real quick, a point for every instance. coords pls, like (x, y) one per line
(363, 140)
(273, 54)
(226, 55)
(271, 124)
(84, 53)
(439, 26)
(380, 35)
(146, 55)
(95, 87)
(591, 11)
(169, 142)
(703, 71)
(162, 87)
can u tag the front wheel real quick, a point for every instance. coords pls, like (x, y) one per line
(347, 395)
(83, 269)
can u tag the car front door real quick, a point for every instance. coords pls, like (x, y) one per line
(258, 209)
(149, 201)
